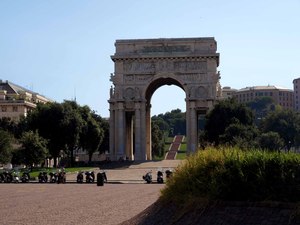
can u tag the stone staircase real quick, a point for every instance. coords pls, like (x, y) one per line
(175, 146)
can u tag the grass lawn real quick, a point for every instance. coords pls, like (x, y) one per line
(181, 154)
(35, 172)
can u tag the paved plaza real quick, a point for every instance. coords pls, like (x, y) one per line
(73, 203)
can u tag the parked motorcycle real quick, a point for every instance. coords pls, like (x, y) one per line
(104, 176)
(15, 177)
(53, 177)
(61, 178)
(80, 177)
(25, 177)
(160, 177)
(148, 177)
(1, 177)
(89, 176)
(7, 176)
(43, 177)
(169, 173)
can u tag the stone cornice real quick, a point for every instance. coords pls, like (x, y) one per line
(118, 58)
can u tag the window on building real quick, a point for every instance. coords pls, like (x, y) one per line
(3, 108)
(15, 108)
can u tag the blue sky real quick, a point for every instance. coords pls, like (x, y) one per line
(62, 48)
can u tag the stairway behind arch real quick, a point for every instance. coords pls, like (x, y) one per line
(174, 147)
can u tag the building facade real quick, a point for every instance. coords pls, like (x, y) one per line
(296, 83)
(228, 92)
(281, 96)
(16, 101)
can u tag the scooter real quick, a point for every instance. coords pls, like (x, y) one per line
(7, 177)
(169, 173)
(61, 178)
(53, 177)
(25, 177)
(80, 177)
(89, 176)
(160, 177)
(148, 177)
(43, 178)
(15, 177)
(1, 177)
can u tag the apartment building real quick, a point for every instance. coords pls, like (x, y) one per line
(16, 101)
(227, 92)
(281, 96)
(296, 83)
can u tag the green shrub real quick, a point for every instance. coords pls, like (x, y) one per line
(233, 174)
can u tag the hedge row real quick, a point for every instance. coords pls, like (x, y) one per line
(233, 174)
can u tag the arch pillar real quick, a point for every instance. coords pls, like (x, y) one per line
(112, 133)
(148, 134)
(120, 128)
(140, 131)
(192, 127)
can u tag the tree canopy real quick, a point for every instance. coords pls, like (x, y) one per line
(33, 149)
(6, 141)
(224, 114)
(286, 123)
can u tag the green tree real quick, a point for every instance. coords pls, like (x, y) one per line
(261, 107)
(223, 114)
(48, 120)
(91, 135)
(172, 123)
(271, 141)
(104, 125)
(7, 124)
(71, 125)
(5, 146)
(240, 135)
(286, 123)
(33, 148)
(157, 138)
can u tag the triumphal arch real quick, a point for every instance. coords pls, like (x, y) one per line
(144, 65)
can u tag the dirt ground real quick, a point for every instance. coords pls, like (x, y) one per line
(74, 203)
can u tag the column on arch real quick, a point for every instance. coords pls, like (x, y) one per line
(112, 134)
(129, 135)
(192, 127)
(148, 133)
(143, 131)
(140, 133)
(120, 126)
(137, 132)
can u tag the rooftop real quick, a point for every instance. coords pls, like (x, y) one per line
(269, 87)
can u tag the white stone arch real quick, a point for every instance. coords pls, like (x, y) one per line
(144, 65)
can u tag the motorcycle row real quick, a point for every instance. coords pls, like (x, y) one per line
(160, 176)
(54, 177)
(12, 176)
(89, 177)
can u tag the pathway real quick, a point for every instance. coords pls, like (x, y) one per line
(175, 146)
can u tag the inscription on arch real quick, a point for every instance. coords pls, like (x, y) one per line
(141, 67)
